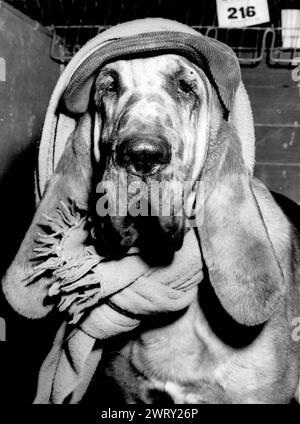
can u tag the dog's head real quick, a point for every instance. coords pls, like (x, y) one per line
(151, 97)
(149, 139)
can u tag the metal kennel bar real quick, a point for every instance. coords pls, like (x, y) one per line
(251, 45)
(73, 22)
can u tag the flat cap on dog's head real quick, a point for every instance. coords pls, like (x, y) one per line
(216, 59)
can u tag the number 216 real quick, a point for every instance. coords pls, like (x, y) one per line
(246, 12)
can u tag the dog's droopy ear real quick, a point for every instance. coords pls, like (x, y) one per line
(237, 249)
(28, 279)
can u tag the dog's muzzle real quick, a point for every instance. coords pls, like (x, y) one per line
(149, 218)
(143, 155)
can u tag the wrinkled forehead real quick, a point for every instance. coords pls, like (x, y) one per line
(152, 71)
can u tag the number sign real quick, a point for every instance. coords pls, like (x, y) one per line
(242, 13)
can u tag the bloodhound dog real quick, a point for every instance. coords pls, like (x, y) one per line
(159, 118)
(158, 108)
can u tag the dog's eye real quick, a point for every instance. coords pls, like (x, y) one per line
(112, 86)
(184, 87)
(107, 84)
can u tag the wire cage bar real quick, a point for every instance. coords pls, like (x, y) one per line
(73, 22)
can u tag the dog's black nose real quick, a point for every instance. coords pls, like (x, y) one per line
(143, 156)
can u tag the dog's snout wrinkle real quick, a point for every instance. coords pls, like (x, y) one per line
(143, 155)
